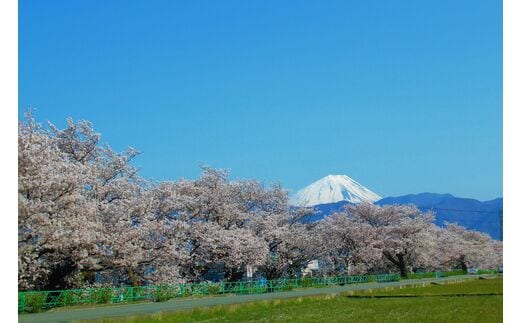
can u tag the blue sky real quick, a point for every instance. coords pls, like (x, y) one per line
(403, 96)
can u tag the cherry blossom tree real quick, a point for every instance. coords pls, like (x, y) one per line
(82, 209)
(349, 247)
(292, 244)
(398, 231)
(463, 248)
(217, 212)
(57, 230)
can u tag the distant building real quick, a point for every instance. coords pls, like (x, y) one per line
(312, 266)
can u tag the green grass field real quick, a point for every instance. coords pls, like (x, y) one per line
(473, 301)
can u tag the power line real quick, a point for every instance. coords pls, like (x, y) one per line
(460, 210)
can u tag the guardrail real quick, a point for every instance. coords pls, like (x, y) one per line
(36, 301)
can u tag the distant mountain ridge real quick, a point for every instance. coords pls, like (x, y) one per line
(484, 216)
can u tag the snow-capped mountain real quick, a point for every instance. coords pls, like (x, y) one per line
(333, 188)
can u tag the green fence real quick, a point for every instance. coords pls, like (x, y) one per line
(36, 301)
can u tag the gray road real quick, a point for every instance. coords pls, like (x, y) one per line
(64, 315)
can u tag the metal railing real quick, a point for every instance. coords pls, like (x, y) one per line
(35, 301)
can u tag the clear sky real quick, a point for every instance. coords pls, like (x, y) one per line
(403, 96)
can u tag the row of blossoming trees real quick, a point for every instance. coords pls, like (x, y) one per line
(85, 213)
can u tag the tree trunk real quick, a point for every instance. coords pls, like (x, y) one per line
(399, 263)
(462, 263)
(57, 277)
(403, 270)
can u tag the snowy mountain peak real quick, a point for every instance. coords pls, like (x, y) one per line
(334, 188)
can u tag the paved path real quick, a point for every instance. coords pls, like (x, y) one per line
(64, 315)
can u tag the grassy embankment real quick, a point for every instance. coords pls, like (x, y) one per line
(473, 301)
